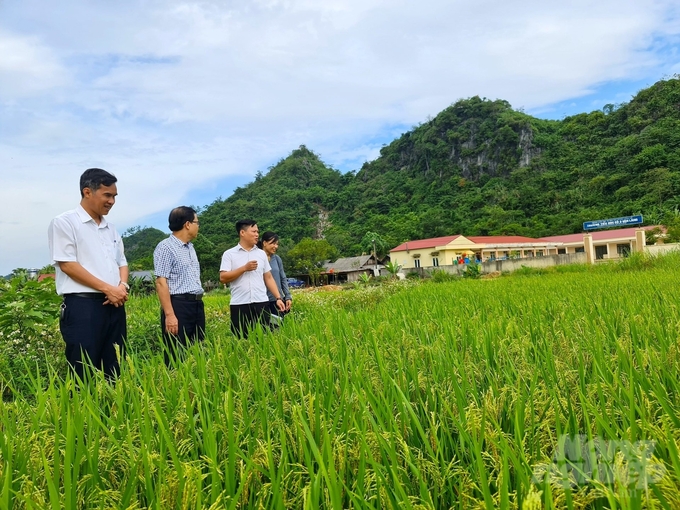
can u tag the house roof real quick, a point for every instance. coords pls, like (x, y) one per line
(600, 235)
(443, 241)
(349, 264)
(425, 243)
(501, 239)
(436, 242)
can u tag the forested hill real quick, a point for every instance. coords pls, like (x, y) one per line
(477, 168)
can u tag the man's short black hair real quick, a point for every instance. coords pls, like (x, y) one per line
(179, 216)
(244, 224)
(93, 178)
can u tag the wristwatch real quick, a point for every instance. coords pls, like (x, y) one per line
(279, 299)
(124, 284)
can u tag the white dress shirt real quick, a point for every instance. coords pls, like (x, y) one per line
(249, 287)
(75, 237)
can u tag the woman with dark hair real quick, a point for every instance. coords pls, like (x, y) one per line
(270, 244)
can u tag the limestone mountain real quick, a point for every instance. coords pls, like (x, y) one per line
(477, 168)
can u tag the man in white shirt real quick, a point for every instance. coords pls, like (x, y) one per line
(246, 268)
(91, 275)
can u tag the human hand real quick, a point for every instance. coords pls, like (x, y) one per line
(251, 266)
(116, 296)
(171, 324)
(280, 305)
(288, 303)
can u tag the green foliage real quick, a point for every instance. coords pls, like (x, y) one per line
(371, 241)
(393, 268)
(637, 262)
(29, 335)
(440, 276)
(309, 255)
(140, 286)
(364, 278)
(139, 246)
(473, 271)
(292, 199)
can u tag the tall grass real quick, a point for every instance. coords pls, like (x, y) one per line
(448, 395)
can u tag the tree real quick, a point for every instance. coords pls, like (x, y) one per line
(372, 240)
(393, 268)
(309, 255)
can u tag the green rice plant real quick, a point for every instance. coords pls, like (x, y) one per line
(518, 393)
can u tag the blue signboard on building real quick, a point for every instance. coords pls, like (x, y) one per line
(626, 221)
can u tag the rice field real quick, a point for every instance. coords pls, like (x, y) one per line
(544, 390)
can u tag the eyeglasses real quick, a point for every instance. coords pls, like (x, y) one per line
(196, 222)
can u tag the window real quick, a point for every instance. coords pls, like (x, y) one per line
(580, 249)
(417, 262)
(600, 252)
(561, 251)
(435, 261)
(539, 253)
(623, 249)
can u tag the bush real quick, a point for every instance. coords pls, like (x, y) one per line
(440, 275)
(637, 262)
(30, 341)
(473, 271)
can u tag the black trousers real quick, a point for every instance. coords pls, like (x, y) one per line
(91, 330)
(190, 326)
(246, 317)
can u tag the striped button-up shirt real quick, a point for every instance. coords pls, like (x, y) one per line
(177, 262)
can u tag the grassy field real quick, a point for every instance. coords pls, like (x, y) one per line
(554, 389)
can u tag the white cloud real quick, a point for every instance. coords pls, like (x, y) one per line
(27, 67)
(177, 95)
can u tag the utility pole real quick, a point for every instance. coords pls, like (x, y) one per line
(375, 257)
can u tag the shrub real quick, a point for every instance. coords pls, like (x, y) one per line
(29, 332)
(473, 271)
(440, 275)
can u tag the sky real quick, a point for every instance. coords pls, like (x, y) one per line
(184, 101)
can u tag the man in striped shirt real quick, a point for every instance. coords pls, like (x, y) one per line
(178, 284)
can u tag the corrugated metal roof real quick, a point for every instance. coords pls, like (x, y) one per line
(349, 264)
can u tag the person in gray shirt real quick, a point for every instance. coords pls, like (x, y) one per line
(270, 245)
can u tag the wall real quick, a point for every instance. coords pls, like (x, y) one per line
(537, 262)
(510, 264)
(659, 249)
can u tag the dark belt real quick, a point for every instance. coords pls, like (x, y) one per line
(187, 297)
(88, 295)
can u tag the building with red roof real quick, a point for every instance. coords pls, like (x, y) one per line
(607, 244)
(452, 250)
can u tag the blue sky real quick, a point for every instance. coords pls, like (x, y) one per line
(184, 100)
